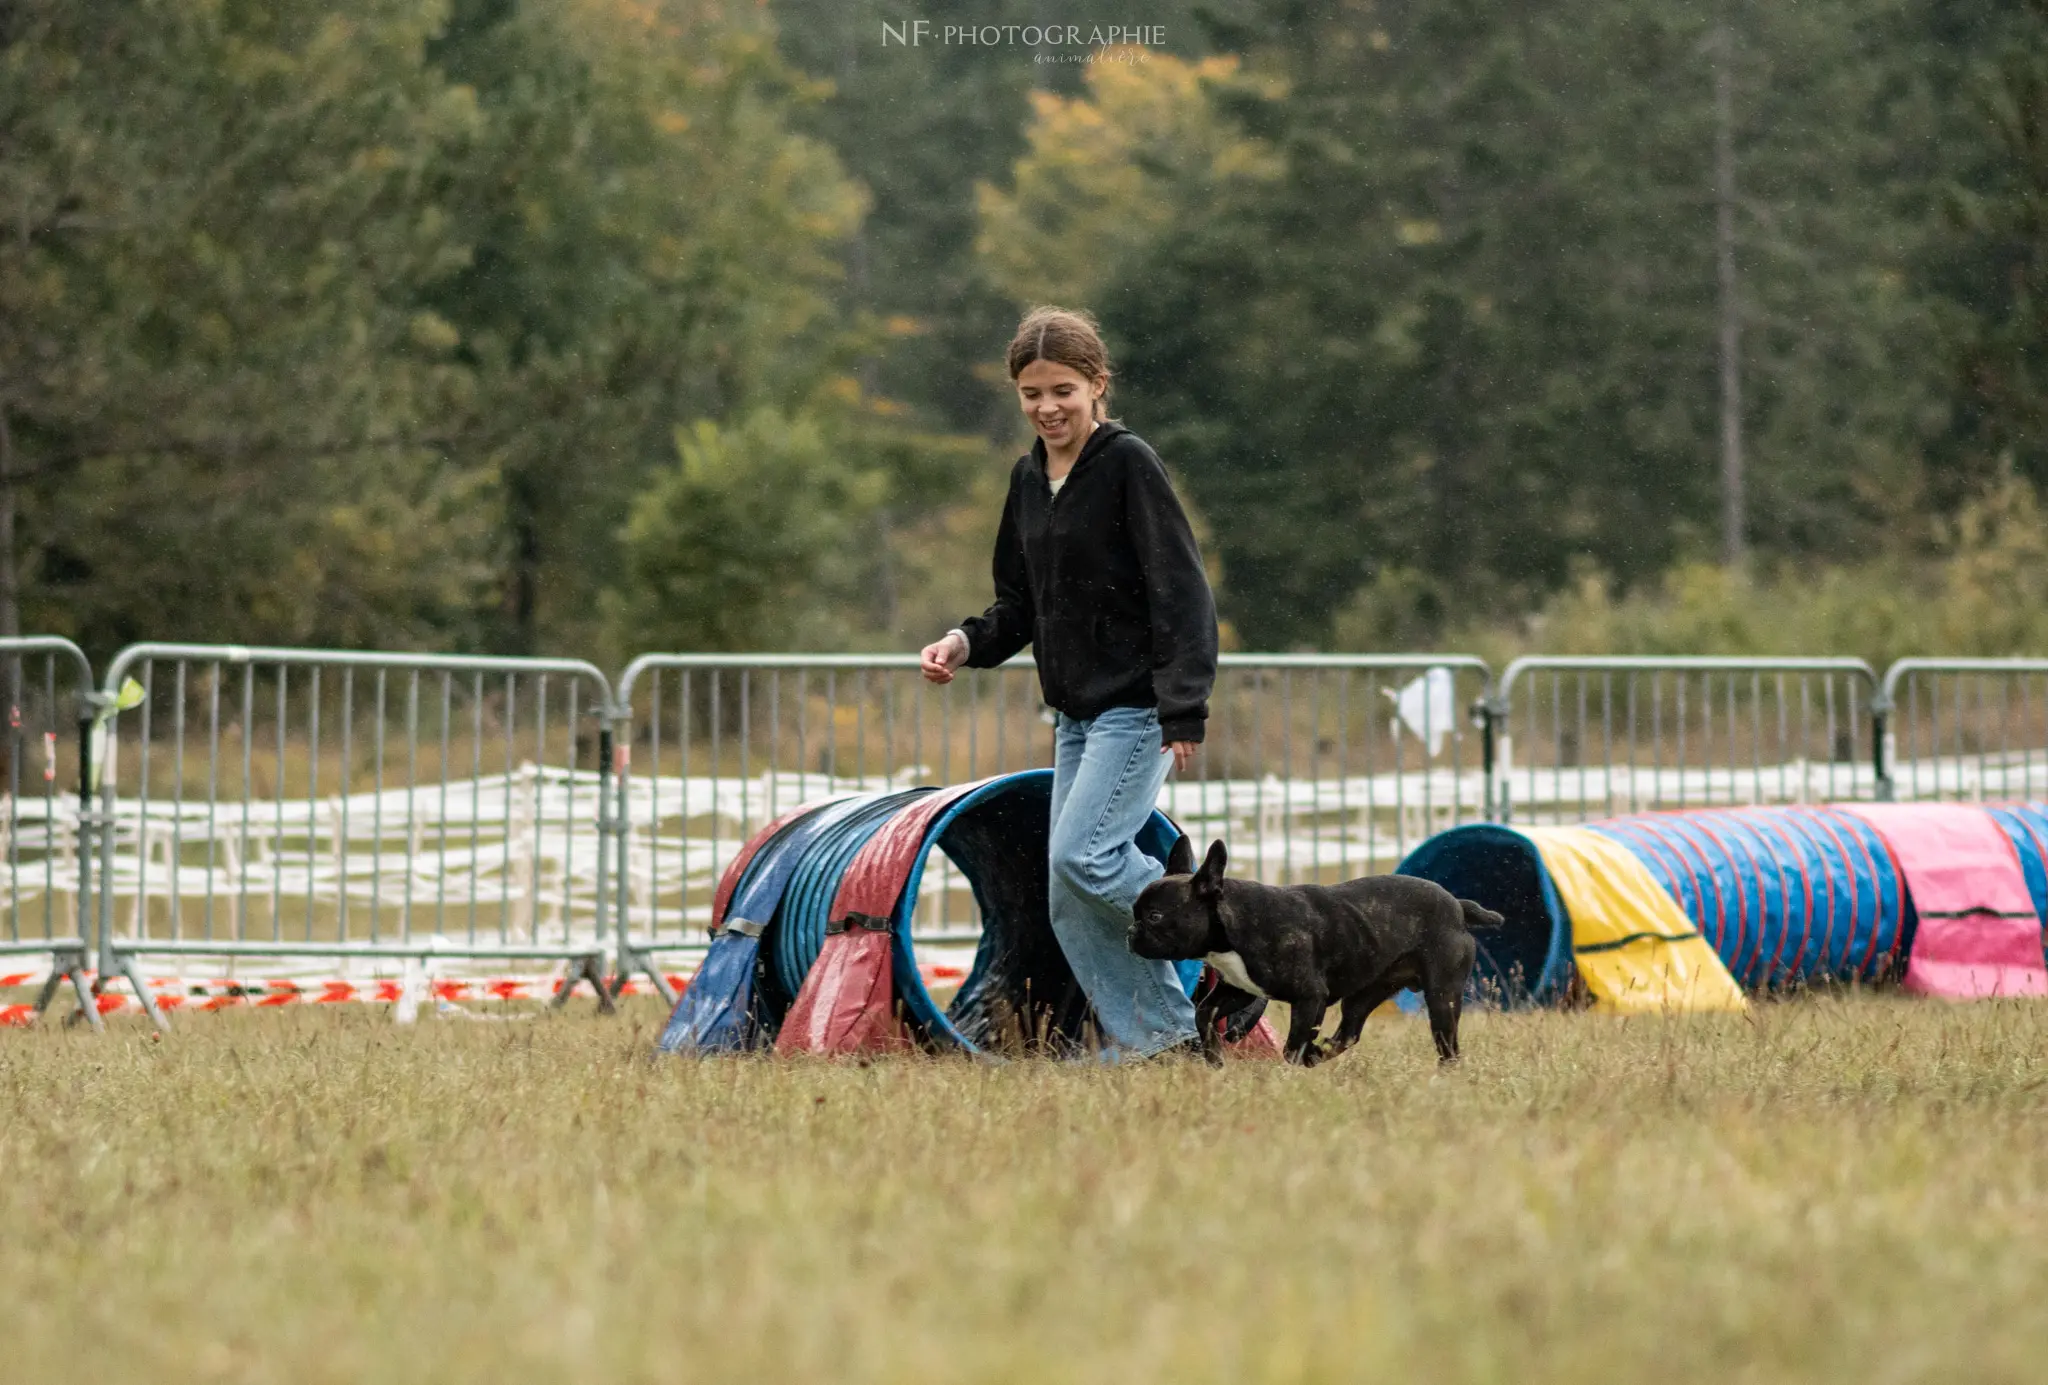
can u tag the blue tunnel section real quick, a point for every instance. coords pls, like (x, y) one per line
(1785, 896)
(1528, 959)
(796, 933)
(1020, 992)
(743, 987)
(1020, 989)
(2026, 827)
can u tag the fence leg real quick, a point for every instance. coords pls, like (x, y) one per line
(112, 964)
(607, 830)
(1498, 751)
(81, 987)
(70, 966)
(1488, 745)
(588, 967)
(627, 959)
(132, 974)
(631, 961)
(76, 964)
(59, 972)
(1880, 728)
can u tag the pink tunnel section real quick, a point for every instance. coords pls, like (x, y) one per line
(1978, 934)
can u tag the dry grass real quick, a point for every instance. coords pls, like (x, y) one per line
(1850, 1189)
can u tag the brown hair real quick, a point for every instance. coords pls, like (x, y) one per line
(1064, 337)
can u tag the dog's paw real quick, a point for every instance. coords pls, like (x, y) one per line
(1313, 1054)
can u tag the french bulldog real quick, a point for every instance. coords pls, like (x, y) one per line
(1312, 946)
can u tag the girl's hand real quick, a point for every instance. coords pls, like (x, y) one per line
(1183, 753)
(937, 660)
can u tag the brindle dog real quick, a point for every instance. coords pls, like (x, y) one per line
(1312, 946)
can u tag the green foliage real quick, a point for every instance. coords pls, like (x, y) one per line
(390, 550)
(922, 129)
(917, 127)
(366, 327)
(1982, 590)
(779, 531)
(373, 323)
(2003, 216)
(1470, 331)
(207, 343)
(722, 545)
(1109, 173)
(650, 242)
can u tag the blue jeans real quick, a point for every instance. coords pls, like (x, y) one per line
(1107, 773)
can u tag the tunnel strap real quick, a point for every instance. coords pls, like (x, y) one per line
(746, 928)
(1632, 939)
(871, 923)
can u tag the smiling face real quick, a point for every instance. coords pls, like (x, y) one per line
(1060, 402)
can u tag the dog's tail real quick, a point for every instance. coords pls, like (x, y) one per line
(1477, 916)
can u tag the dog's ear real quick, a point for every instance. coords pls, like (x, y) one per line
(1209, 879)
(1181, 860)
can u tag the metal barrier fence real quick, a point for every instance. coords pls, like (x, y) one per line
(316, 804)
(1963, 729)
(1581, 738)
(48, 817)
(1317, 767)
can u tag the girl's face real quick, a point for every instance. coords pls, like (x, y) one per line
(1059, 400)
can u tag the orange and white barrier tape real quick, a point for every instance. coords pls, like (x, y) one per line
(189, 993)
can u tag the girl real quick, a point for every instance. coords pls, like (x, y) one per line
(1097, 569)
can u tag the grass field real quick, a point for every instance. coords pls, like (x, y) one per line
(1830, 1189)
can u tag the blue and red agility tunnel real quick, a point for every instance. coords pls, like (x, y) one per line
(1948, 899)
(812, 951)
(812, 947)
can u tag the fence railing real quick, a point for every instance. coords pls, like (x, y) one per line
(306, 807)
(320, 804)
(1963, 729)
(48, 817)
(1579, 738)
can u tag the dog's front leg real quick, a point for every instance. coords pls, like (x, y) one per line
(1304, 1020)
(1209, 1025)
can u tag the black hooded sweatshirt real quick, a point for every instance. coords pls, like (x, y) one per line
(1105, 582)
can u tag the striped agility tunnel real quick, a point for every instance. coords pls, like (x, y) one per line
(811, 945)
(1690, 910)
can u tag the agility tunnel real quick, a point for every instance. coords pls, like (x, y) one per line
(1691, 910)
(812, 946)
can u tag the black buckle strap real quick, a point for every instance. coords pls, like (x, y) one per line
(867, 923)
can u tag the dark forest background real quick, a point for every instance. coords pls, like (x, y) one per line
(590, 326)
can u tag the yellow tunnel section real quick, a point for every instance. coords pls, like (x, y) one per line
(1635, 950)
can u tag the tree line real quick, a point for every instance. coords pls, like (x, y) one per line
(606, 324)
